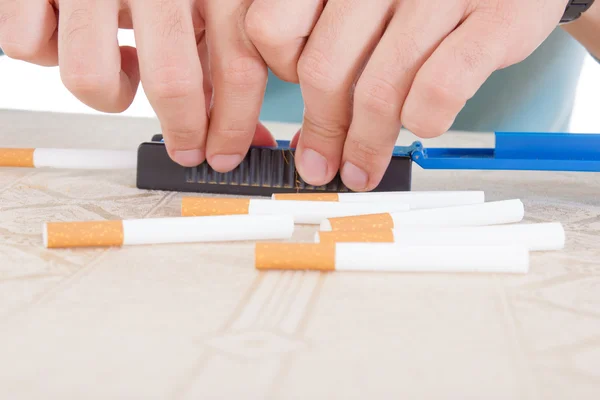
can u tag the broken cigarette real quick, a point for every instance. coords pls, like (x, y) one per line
(384, 257)
(167, 230)
(415, 200)
(68, 158)
(536, 237)
(304, 212)
(492, 213)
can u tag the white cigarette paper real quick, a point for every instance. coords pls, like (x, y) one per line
(383, 257)
(167, 230)
(536, 237)
(68, 158)
(303, 212)
(85, 159)
(492, 213)
(415, 200)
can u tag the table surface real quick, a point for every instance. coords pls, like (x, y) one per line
(197, 321)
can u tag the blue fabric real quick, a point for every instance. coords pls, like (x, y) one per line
(534, 95)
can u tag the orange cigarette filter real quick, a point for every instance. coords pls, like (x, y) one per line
(209, 206)
(295, 256)
(371, 222)
(22, 158)
(374, 236)
(83, 234)
(307, 196)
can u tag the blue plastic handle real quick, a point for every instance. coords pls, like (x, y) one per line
(517, 151)
(530, 151)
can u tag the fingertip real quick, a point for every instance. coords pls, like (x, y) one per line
(313, 167)
(188, 158)
(295, 139)
(429, 110)
(286, 70)
(263, 137)
(130, 79)
(425, 121)
(130, 65)
(225, 162)
(354, 177)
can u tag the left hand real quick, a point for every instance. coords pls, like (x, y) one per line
(202, 76)
(366, 68)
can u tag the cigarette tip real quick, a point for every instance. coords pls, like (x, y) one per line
(45, 234)
(325, 226)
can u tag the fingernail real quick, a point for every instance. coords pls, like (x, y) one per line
(353, 177)
(189, 158)
(314, 167)
(225, 163)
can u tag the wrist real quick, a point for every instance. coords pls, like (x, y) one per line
(586, 29)
(577, 9)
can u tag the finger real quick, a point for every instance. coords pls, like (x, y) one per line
(239, 78)
(410, 38)
(172, 75)
(337, 49)
(453, 74)
(279, 30)
(294, 141)
(206, 78)
(28, 31)
(90, 58)
(263, 137)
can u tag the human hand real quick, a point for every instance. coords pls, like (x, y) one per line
(370, 67)
(174, 39)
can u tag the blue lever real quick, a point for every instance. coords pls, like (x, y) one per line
(517, 151)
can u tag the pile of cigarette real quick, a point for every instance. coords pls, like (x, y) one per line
(448, 231)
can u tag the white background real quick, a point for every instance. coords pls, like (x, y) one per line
(29, 87)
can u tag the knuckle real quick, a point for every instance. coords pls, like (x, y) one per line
(434, 111)
(498, 14)
(78, 81)
(261, 30)
(8, 13)
(170, 23)
(326, 130)
(168, 83)
(363, 153)
(244, 71)
(406, 53)
(19, 51)
(472, 56)
(234, 134)
(438, 93)
(15, 43)
(78, 21)
(182, 137)
(423, 128)
(378, 96)
(315, 70)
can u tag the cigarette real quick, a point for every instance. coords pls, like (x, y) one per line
(492, 213)
(415, 200)
(68, 158)
(536, 237)
(303, 212)
(167, 230)
(384, 257)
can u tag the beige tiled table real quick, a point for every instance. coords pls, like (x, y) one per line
(198, 322)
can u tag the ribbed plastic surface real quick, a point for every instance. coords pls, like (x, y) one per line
(263, 171)
(261, 168)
